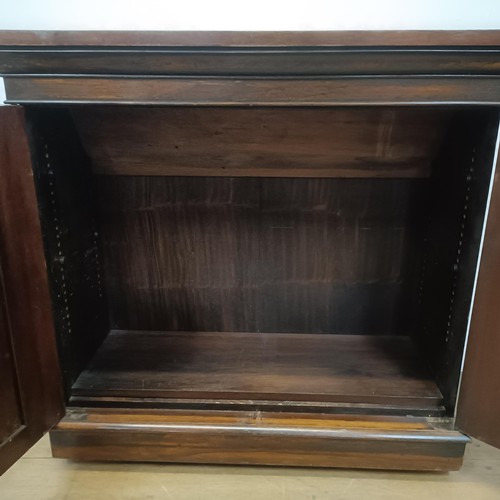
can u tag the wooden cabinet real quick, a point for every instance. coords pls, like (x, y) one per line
(255, 248)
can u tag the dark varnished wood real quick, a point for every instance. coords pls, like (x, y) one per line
(261, 142)
(259, 366)
(249, 254)
(11, 418)
(259, 438)
(26, 318)
(228, 68)
(248, 62)
(424, 38)
(401, 407)
(478, 410)
(346, 91)
(259, 254)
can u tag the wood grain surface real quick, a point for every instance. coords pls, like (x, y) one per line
(263, 61)
(28, 338)
(261, 142)
(348, 38)
(252, 366)
(341, 91)
(248, 254)
(253, 438)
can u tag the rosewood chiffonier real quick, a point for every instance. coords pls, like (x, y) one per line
(250, 248)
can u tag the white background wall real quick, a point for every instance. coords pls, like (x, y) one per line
(249, 15)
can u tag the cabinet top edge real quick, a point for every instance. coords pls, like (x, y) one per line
(138, 39)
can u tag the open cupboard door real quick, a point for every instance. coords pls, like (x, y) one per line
(30, 385)
(478, 412)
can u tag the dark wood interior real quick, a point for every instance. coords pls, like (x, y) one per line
(308, 371)
(298, 237)
(457, 204)
(478, 405)
(260, 254)
(261, 142)
(68, 210)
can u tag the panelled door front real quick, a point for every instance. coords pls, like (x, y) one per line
(30, 387)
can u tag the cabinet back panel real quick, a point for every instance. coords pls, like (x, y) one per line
(261, 254)
(328, 142)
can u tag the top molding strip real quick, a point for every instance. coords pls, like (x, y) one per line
(252, 68)
(434, 38)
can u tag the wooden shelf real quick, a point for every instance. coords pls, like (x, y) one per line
(287, 370)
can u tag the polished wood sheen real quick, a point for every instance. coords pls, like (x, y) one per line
(293, 68)
(31, 385)
(230, 68)
(258, 366)
(259, 438)
(261, 142)
(292, 62)
(347, 91)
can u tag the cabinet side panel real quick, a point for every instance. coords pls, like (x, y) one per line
(456, 209)
(71, 235)
(478, 411)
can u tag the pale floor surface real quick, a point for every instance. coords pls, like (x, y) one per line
(37, 476)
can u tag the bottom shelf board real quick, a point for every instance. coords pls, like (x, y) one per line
(247, 367)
